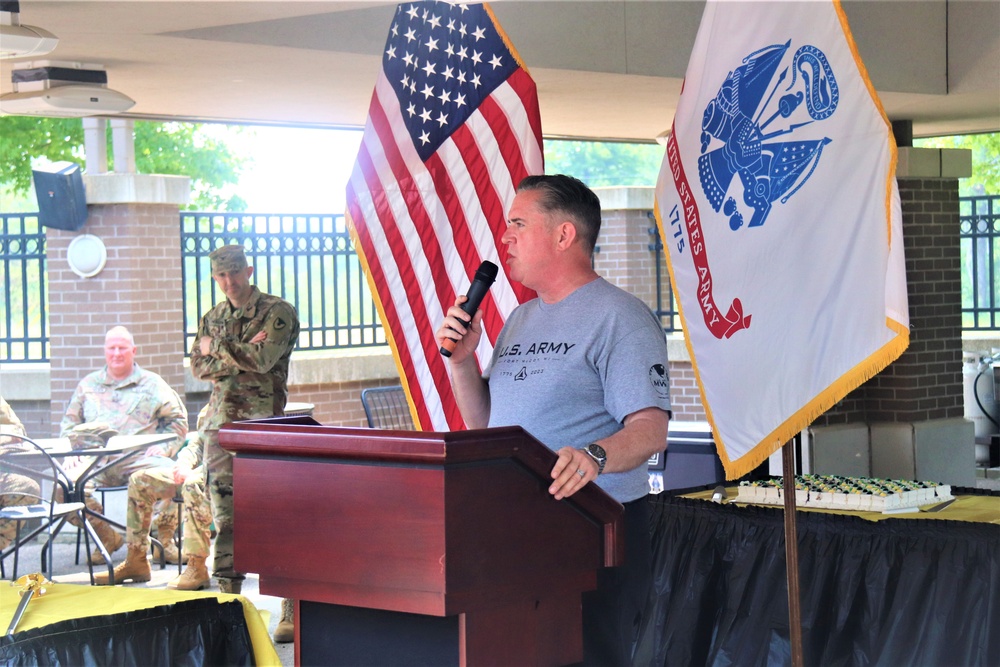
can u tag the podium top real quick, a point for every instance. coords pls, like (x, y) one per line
(304, 438)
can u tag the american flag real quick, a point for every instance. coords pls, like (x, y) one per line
(452, 128)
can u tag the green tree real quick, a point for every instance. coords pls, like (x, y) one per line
(985, 179)
(604, 163)
(184, 149)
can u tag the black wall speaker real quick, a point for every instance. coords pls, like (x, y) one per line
(62, 202)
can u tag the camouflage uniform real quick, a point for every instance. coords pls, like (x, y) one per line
(141, 403)
(249, 380)
(148, 486)
(12, 483)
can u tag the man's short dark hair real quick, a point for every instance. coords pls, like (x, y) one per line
(565, 194)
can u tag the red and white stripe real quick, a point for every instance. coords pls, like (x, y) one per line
(424, 228)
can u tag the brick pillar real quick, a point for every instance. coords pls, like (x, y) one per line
(624, 256)
(925, 383)
(915, 407)
(136, 216)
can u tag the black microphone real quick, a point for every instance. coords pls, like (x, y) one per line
(485, 275)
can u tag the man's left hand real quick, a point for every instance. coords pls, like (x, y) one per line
(573, 469)
(205, 345)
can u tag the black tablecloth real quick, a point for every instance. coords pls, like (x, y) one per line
(191, 632)
(893, 592)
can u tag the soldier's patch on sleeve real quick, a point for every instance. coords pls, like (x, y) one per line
(279, 324)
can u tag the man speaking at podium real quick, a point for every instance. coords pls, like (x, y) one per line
(583, 369)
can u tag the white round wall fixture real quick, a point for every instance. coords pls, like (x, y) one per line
(86, 255)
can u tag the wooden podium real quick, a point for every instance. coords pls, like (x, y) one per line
(418, 548)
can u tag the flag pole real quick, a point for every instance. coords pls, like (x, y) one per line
(792, 553)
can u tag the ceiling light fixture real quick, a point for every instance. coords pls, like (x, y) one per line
(22, 41)
(62, 89)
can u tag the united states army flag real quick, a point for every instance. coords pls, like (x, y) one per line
(778, 208)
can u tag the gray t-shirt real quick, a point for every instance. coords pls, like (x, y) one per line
(570, 372)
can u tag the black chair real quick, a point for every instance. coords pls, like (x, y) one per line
(103, 491)
(23, 461)
(387, 408)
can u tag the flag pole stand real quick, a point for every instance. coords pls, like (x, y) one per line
(792, 554)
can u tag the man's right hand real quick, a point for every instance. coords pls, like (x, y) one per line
(181, 473)
(205, 345)
(454, 328)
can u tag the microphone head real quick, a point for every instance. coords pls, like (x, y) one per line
(487, 272)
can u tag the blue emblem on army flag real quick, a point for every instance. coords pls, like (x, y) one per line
(749, 129)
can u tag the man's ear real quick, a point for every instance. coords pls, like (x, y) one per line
(249, 272)
(567, 235)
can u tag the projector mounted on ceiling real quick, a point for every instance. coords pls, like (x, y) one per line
(62, 89)
(21, 41)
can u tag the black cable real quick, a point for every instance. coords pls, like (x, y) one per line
(975, 393)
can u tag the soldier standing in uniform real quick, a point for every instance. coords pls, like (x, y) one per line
(125, 398)
(243, 348)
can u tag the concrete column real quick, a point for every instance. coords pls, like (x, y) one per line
(95, 145)
(123, 145)
(137, 218)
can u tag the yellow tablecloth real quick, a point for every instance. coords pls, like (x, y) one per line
(980, 509)
(62, 602)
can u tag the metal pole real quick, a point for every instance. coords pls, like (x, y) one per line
(792, 554)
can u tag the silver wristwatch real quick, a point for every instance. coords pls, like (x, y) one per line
(596, 452)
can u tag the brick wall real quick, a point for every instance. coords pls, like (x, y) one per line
(685, 397)
(624, 256)
(138, 288)
(34, 415)
(925, 383)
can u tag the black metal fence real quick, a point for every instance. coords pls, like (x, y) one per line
(309, 260)
(305, 259)
(979, 231)
(24, 323)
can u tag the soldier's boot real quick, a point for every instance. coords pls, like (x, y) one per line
(194, 578)
(170, 552)
(110, 538)
(285, 632)
(226, 585)
(135, 568)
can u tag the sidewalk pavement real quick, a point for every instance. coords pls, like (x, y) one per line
(66, 571)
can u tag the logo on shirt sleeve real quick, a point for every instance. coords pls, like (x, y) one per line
(660, 380)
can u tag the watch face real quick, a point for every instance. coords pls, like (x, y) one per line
(597, 451)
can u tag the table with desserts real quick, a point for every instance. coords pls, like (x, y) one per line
(914, 586)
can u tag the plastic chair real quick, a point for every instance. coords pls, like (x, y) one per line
(22, 461)
(387, 408)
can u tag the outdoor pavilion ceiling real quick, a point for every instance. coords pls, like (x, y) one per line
(604, 69)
